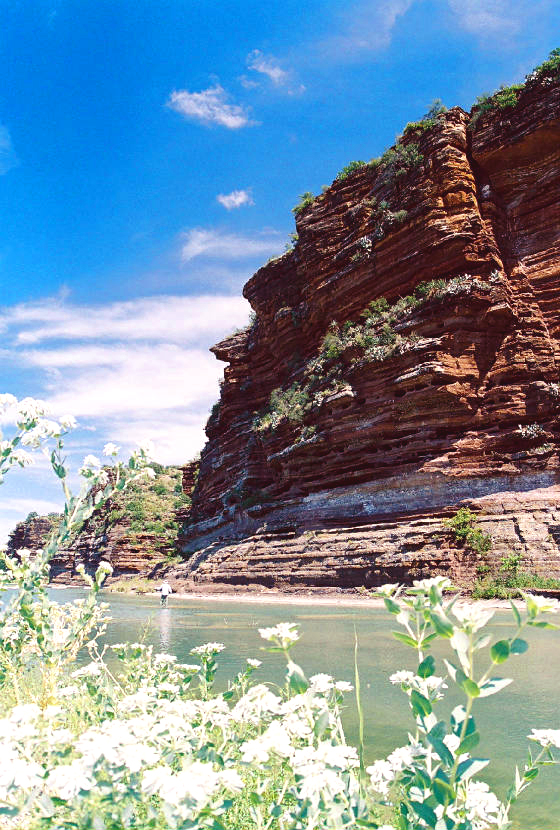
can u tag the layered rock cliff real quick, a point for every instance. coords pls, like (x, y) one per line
(403, 361)
(135, 531)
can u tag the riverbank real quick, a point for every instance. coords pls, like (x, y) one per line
(271, 596)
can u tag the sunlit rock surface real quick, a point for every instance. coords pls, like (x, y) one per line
(354, 493)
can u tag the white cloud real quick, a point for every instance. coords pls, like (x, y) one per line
(209, 107)
(221, 245)
(488, 17)
(129, 370)
(128, 379)
(8, 158)
(173, 319)
(268, 66)
(367, 26)
(235, 199)
(248, 83)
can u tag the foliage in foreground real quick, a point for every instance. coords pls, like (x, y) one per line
(135, 739)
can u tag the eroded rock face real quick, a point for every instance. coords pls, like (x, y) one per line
(30, 534)
(135, 532)
(390, 441)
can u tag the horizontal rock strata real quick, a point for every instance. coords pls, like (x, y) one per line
(448, 397)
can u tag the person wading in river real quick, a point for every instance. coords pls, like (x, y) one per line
(164, 592)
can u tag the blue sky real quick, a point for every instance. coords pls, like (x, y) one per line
(150, 154)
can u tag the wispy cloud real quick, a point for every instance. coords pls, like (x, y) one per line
(172, 319)
(269, 66)
(487, 18)
(211, 106)
(8, 158)
(235, 199)
(131, 370)
(215, 244)
(366, 26)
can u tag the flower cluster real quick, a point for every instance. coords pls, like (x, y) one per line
(133, 739)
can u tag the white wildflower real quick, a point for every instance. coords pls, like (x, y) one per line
(21, 457)
(258, 700)
(91, 461)
(68, 422)
(29, 409)
(111, 449)
(68, 691)
(91, 670)
(343, 686)
(543, 604)
(18, 773)
(405, 677)
(6, 401)
(321, 683)
(208, 649)
(254, 663)
(163, 658)
(439, 582)
(284, 633)
(546, 737)
(388, 589)
(483, 808)
(67, 780)
(473, 617)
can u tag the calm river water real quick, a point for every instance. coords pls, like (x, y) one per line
(327, 645)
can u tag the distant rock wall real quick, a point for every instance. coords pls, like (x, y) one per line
(135, 532)
(462, 406)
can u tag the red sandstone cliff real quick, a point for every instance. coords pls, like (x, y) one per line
(346, 432)
(391, 437)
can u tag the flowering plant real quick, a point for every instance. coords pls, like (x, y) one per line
(134, 739)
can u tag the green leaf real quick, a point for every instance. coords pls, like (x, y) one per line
(468, 743)
(429, 638)
(530, 774)
(542, 624)
(426, 813)
(321, 724)
(470, 767)
(391, 606)
(441, 750)
(500, 651)
(516, 613)
(255, 798)
(427, 667)
(404, 638)
(466, 684)
(420, 705)
(296, 678)
(442, 626)
(494, 685)
(519, 646)
(442, 791)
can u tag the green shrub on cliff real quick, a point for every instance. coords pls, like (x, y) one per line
(305, 200)
(349, 169)
(399, 160)
(466, 531)
(429, 120)
(550, 67)
(373, 339)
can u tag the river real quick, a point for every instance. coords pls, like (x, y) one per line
(327, 645)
